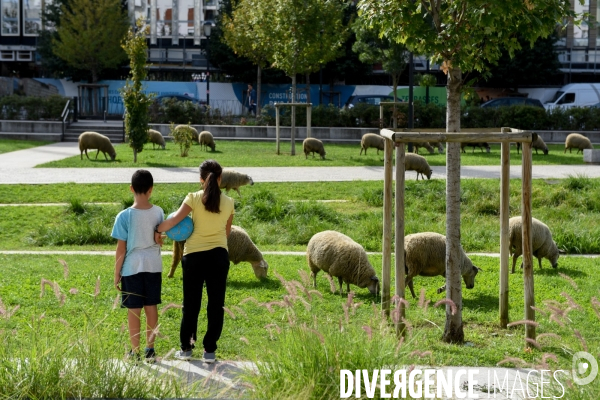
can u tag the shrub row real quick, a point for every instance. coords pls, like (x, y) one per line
(15, 107)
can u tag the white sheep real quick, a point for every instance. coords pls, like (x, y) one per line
(340, 256)
(195, 136)
(425, 255)
(206, 140)
(481, 145)
(312, 145)
(240, 248)
(418, 145)
(542, 244)
(155, 137)
(231, 179)
(537, 144)
(415, 162)
(577, 141)
(93, 141)
(371, 140)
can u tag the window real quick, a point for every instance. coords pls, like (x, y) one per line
(581, 32)
(32, 17)
(164, 14)
(10, 17)
(568, 98)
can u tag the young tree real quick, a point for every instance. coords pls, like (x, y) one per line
(135, 100)
(461, 35)
(89, 35)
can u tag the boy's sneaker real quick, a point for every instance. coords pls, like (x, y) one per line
(184, 355)
(132, 357)
(209, 358)
(150, 355)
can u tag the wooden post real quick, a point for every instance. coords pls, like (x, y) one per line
(527, 242)
(277, 127)
(399, 238)
(387, 227)
(504, 239)
(308, 120)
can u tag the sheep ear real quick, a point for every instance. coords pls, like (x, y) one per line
(478, 269)
(560, 251)
(375, 278)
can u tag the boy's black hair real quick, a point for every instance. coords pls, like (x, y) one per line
(142, 181)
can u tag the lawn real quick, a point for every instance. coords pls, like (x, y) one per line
(262, 154)
(8, 145)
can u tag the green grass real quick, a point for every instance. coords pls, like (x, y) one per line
(8, 145)
(253, 334)
(263, 154)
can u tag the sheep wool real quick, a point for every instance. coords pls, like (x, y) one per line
(537, 144)
(155, 137)
(371, 140)
(312, 145)
(195, 137)
(340, 256)
(481, 145)
(241, 249)
(206, 140)
(425, 255)
(415, 162)
(231, 179)
(542, 244)
(93, 141)
(577, 141)
(439, 146)
(426, 145)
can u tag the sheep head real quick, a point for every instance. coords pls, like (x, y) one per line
(260, 269)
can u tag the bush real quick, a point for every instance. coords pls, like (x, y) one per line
(178, 112)
(15, 107)
(183, 136)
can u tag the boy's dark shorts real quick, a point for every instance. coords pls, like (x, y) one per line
(142, 289)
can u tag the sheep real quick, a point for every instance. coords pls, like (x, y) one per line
(415, 162)
(195, 136)
(206, 139)
(439, 146)
(94, 140)
(542, 244)
(312, 145)
(481, 145)
(155, 137)
(427, 146)
(577, 141)
(537, 144)
(340, 256)
(371, 140)
(425, 255)
(241, 249)
(231, 179)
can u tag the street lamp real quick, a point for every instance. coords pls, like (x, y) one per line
(207, 28)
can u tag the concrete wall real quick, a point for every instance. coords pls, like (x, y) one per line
(32, 87)
(30, 126)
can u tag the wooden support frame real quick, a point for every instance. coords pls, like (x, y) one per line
(293, 133)
(505, 136)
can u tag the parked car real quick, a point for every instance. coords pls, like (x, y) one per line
(372, 99)
(512, 101)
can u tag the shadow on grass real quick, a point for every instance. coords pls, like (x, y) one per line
(484, 302)
(572, 273)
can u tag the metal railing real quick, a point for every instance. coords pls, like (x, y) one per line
(64, 117)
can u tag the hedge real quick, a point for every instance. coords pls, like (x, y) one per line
(15, 107)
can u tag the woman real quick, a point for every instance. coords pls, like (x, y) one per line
(205, 259)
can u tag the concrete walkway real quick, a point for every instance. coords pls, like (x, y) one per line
(17, 167)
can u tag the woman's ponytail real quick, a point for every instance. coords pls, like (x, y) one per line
(210, 171)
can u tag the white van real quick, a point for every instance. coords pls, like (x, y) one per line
(575, 95)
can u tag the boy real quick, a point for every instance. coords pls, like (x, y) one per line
(138, 263)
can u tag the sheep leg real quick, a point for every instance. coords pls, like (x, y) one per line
(238, 192)
(361, 150)
(106, 158)
(341, 282)
(514, 263)
(540, 262)
(347, 288)
(409, 283)
(314, 276)
(441, 289)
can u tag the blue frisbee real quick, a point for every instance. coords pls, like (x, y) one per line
(182, 230)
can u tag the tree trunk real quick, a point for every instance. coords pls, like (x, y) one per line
(453, 332)
(258, 89)
(135, 155)
(293, 127)
(308, 87)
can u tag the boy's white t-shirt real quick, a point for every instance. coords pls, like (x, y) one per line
(136, 227)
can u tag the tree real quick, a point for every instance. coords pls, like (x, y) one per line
(461, 35)
(135, 100)
(89, 35)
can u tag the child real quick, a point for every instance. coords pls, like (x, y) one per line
(138, 263)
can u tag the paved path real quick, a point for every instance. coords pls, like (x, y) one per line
(17, 167)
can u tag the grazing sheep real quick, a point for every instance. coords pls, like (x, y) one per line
(537, 144)
(439, 146)
(481, 145)
(415, 162)
(231, 179)
(195, 137)
(371, 140)
(425, 255)
(312, 145)
(542, 244)
(427, 146)
(206, 139)
(93, 141)
(577, 141)
(241, 249)
(155, 137)
(340, 256)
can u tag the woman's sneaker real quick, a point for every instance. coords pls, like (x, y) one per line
(132, 357)
(150, 355)
(184, 355)
(209, 358)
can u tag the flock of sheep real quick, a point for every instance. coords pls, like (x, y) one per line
(339, 255)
